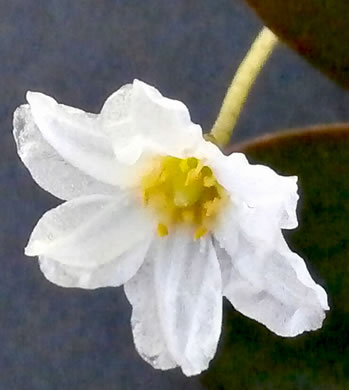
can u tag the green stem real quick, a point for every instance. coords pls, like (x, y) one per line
(237, 93)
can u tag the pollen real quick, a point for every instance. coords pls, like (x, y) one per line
(182, 191)
(162, 230)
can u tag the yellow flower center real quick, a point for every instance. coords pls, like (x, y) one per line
(183, 191)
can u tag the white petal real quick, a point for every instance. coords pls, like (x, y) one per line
(273, 286)
(227, 230)
(90, 231)
(146, 321)
(115, 273)
(177, 303)
(46, 166)
(148, 123)
(116, 108)
(76, 137)
(268, 194)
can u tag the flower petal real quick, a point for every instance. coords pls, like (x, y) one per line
(116, 108)
(75, 136)
(90, 231)
(112, 274)
(149, 123)
(177, 303)
(268, 194)
(46, 166)
(272, 285)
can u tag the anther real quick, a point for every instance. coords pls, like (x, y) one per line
(162, 230)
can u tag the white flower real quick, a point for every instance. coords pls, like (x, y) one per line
(151, 205)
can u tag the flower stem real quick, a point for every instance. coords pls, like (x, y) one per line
(243, 80)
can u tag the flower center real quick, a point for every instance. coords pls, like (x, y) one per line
(183, 191)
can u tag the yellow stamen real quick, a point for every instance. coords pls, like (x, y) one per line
(162, 230)
(188, 216)
(199, 232)
(183, 191)
(209, 181)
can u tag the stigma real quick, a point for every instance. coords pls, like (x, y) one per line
(182, 192)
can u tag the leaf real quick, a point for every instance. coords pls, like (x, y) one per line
(251, 357)
(316, 29)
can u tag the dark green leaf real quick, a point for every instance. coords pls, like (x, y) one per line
(317, 29)
(252, 358)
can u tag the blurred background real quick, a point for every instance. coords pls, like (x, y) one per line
(80, 52)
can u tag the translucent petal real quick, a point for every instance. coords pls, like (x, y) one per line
(272, 285)
(116, 108)
(76, 137)
(46, 166)
(112, 274)
(264, 192)
(146, 319)
(150, 123)
(177, 303)
(228, 228)
(90, 231)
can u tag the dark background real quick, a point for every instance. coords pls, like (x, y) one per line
(80, 52)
